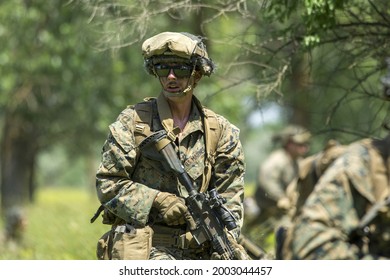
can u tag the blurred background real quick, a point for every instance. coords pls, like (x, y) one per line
(67, 69)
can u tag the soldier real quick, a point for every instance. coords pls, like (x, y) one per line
(347, 215)
(310, 170)
(143, 202)
(276, 173)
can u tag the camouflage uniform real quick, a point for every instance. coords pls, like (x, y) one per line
(334, 223)
(277, 172)
(310, 170)
(128, 182)
(274, 176)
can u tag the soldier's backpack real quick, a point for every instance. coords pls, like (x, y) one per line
(310, 170)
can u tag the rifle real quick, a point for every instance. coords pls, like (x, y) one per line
(207, 209)
(253, 250)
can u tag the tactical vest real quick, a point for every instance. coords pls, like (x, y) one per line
(147, 121)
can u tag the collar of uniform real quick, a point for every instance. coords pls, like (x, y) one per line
(194, 121)
(164, 111)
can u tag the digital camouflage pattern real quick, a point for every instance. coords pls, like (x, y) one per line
(328, 226)
(128, 182)
(310, 171)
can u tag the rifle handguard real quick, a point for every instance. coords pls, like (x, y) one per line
(209, 215)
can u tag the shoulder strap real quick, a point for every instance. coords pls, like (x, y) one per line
(146, 119)
(213, 131)
(212, 135)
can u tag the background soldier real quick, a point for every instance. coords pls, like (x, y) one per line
(347, 215)
(277, 172)
(310, 171)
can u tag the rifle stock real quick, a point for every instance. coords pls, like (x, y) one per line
(207, 209)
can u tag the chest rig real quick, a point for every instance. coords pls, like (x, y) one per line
(147, 121)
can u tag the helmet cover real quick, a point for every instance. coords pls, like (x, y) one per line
(178, 47)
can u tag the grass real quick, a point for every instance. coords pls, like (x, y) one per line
(262, 235)
(58, 227)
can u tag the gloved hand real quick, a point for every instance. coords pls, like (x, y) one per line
(172, 208)
(238, 250)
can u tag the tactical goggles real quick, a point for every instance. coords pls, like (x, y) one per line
(180, 71)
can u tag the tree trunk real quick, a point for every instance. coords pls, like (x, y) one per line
(299, 91)
(18, 155)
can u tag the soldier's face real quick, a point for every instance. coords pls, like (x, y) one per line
(175, 78)
(298, 149)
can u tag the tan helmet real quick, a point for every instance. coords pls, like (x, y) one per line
(177, 47)
(294, 133)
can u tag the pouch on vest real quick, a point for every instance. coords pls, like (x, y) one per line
(104, 246)
(132, 243)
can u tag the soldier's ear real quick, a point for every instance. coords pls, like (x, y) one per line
(197, 76)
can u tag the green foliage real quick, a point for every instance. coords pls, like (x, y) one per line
(53, 75)
(58, 227)
(261, 234)
(316, 16)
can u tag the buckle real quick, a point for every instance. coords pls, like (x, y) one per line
(139, 128)
(181, 241)
(126, 228)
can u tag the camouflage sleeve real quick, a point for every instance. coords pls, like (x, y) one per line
(125, 198)
(271, 176)
(329, 215)
(229, 170)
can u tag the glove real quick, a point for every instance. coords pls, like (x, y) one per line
(239, 253)
(172, 208)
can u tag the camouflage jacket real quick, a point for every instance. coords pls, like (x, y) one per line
(330, 224)
(274, 175)
(128, 182)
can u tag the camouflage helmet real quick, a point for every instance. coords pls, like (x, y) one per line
(179, 47)
(294, 133)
